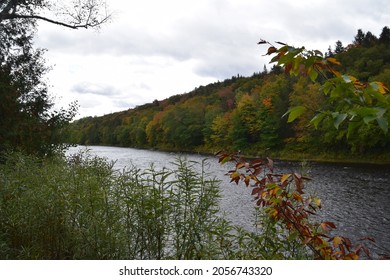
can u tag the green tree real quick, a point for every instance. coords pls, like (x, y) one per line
(29, 120)
(359, 38)
(339, 47)
(220, 131)
(308, 94)
(384, 38)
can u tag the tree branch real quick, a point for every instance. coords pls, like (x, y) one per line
(72, 26)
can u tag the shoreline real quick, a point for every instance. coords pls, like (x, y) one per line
(276, 155)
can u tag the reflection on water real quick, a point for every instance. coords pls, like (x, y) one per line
(355, 197)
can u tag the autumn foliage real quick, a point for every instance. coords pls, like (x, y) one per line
(249, 113)
(353, 101)
(282, 197)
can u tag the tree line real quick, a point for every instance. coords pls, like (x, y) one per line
(247, 113)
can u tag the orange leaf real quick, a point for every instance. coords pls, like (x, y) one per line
(271, 50)
(337, 240)
(297, 197)
(273, 212)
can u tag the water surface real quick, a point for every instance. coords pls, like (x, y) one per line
(355, 197)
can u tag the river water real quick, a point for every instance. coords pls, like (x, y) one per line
(355, 197)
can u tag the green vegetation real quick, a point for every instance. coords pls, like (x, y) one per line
(81, 208)
(28, 120)
(247, 113)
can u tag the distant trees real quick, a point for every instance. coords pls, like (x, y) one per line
(360, 108)
(28, 119)
(246, 113)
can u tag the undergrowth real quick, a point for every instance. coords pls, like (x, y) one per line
(80, 207)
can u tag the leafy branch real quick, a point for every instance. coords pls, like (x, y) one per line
(283, 199)
(355, 102)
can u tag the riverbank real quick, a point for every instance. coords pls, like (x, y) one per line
(287, 155)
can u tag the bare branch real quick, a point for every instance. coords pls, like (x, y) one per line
(79, 14)
(72, 26)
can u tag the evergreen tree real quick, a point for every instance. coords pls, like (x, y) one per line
(29, 121)
(359, 38)
(369, 40)
(339, 47)
(384, 38)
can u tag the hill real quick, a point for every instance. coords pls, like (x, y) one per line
(246, 114)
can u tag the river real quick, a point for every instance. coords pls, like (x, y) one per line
(356, 197)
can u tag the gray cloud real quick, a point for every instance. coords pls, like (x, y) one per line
(224, 32)
(95, 89)
(123, 103)
(200, 40)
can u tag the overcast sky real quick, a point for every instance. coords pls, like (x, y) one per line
(153, 49)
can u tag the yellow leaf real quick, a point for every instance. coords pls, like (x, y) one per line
(285, 177)
(317, 202)
(273, 212)
(333, 60)
(382, 88)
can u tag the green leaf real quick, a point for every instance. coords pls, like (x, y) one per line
(317, 119)
(369, 118)
(383, 124)
(313, 74)
(338, 119)
(328, 87)
(352, 126)
(225, 160)
(379, 96)
(294, 113)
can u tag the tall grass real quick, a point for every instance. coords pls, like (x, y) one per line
(81, 208)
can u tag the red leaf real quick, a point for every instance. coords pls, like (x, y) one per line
(367, 238)
(328, 226)
(256, 163)
(256, 191)
(270, 164)
(288, 68)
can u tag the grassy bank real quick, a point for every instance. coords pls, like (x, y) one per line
(80, 208)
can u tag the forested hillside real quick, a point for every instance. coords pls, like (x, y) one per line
(247, 113)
